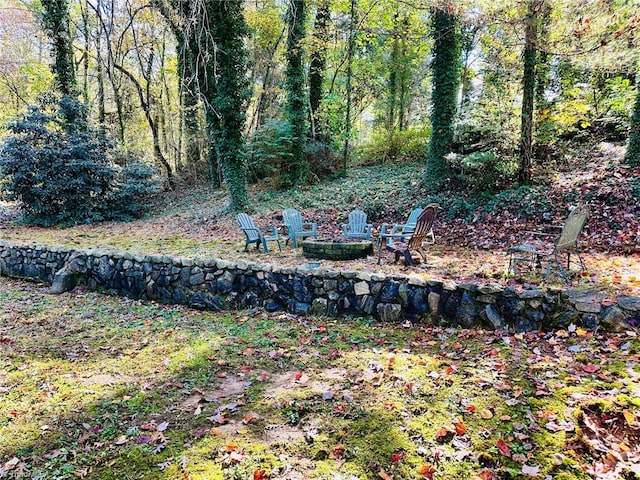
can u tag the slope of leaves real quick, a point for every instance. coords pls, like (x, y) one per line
(99, 387)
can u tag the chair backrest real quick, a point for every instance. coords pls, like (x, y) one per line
(423, 227)
(572, 228)
(292, 219)
(357, 221)
(410, 224)
(248, 226)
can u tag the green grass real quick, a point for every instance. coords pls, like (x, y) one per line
(109, 388)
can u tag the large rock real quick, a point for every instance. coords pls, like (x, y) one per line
(389, 312)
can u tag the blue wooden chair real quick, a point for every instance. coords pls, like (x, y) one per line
(254, 234)
(296, 228)
(357, 226)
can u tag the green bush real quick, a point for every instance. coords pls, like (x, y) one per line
(404, 147)
(60, 171)
(133, 182)
(271, 155)
(483, 171)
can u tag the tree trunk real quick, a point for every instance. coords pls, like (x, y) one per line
(632, 156)
(317, 66)
(296, 99)
(347, 120)
(56, 24)
(528, 90)
(447, 51)
(224, 86)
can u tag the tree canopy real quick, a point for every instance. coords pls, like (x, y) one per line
(457, 86)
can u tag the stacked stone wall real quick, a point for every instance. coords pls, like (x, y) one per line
(214, 284)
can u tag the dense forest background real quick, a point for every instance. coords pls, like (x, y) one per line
(227, 93)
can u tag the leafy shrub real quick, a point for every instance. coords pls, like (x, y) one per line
(485, 171)
(271, 153)
(133, 182)
(404, 147)
(323, 160)
(59, 168)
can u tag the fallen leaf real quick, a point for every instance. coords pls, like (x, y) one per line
(384, 475)
(486, 413)
(504, 448)
(398, 457)
(461, 429)
(444, 434)
(427, 471)
(629, 416)
(590, 368)
(260, 475)
(530, 470)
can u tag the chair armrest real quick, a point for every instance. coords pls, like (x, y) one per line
(396, 229)
(309, 226)
(272, 229)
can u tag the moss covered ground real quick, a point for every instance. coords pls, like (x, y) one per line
(108, 388)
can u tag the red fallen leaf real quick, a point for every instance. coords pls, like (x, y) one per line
(337, 452)
(13, 413)
(427, 471)
(471, 408)
(504, 448)
(248, 418)
(260, 475)
(245, 369)
(299, 375)
(461, 429)
(590, 368)
(449, 370)
(340, 408)
(444, 434)
(398, 456)
(485, 475)
(389, 405)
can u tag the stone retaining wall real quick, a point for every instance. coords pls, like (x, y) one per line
(218, 285)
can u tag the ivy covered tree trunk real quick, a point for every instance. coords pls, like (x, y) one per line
(55, 21)
(399, 76)
(317, 65)
(528, 90)
(228, 93)
(632, 157)
(296, 97)
(447, 52)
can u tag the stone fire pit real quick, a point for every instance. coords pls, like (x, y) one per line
(337, 250)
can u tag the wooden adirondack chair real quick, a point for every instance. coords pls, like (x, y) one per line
(357, 226)
(403, 230)
(254, 234)
(296, 228)
(558, 256)
(404, 244)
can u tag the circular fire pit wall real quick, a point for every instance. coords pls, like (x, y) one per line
(330, 250)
